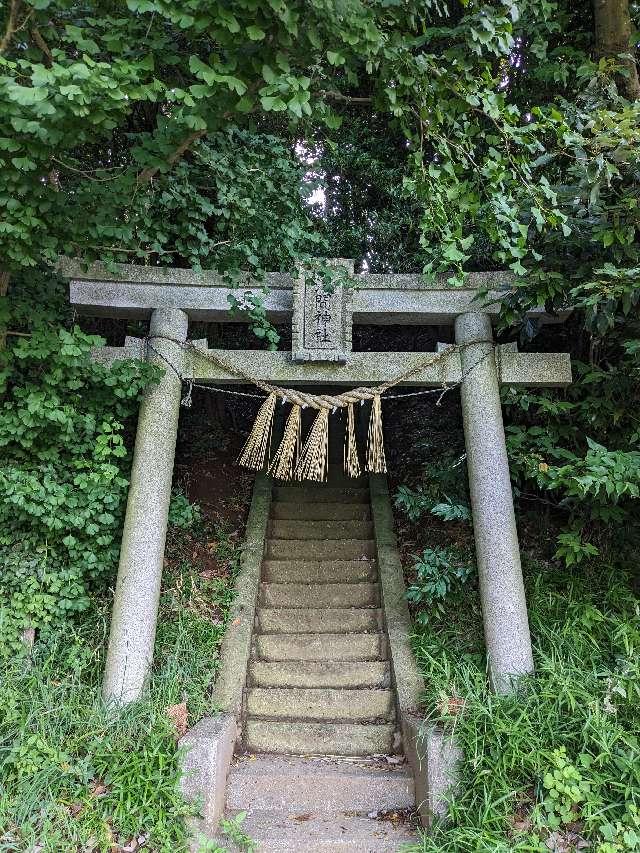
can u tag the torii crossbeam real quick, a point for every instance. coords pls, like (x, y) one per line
(321, 325)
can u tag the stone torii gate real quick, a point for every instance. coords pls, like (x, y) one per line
(321, 355)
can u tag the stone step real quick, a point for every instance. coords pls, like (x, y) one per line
(331, 529)
(321, 511)
(315, 595)
(321, 647)
(303, 738)
(321, 620)
(326, 703)
(320, 494)
(319, 571)
(317, 785)
(319, 549)
(309, 832)
(321, 673)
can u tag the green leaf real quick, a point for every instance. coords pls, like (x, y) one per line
(27, 96)
(245, 104)
(142, 6)
(255, 33)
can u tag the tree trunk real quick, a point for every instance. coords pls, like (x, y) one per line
(613, 38)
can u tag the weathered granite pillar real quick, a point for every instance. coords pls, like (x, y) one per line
(504, 607)
(135, 605)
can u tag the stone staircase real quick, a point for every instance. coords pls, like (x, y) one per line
(320, 770)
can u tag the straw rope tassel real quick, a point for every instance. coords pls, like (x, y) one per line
(286, 458)
(351, 461)
(255, 448)
(376, 462)
(312, 464)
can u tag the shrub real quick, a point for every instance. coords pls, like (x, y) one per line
(440, 574)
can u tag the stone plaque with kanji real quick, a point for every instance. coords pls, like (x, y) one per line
(321, 323)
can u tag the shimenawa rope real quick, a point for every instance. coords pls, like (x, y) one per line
(310, 462)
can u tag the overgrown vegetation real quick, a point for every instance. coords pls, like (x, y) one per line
(557, 763)
(555, 766)
(446, 136)
(64, 468)
(76, 775)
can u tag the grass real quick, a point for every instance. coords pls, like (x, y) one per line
(76, 776)
(557, 764)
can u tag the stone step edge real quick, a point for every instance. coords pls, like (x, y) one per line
(334, 721)
(339, 739)
(319, 674)
(375, 613)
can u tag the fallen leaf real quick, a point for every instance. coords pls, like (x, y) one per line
(451, 705)
(98, 788)
(521, 824)
(134, 844)
(179, 716)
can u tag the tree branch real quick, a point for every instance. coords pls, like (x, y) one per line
(12, 25)
(147, 174)
(36, 35)
(4, 289)
(338, 96)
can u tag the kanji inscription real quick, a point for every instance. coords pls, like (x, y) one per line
(321, 328)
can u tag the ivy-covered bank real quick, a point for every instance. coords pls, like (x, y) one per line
(64, 468)
(73, 774)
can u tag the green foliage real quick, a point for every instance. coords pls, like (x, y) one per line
(565, 789)
(623, 835)
(442, 491)
(413, 502)
(122, 98)
(74, 773)
(183, 514)
(573, 549)
(232, 828)
(593, 486)
(450, 511)
(563, 750)
(82, 774)
(63, 475)
(440, 574)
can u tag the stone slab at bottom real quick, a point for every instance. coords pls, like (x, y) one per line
(207, 750)
(308, 832)
(294, 783)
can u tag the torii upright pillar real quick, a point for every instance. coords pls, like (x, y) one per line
(504, 606)
(137, 595)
